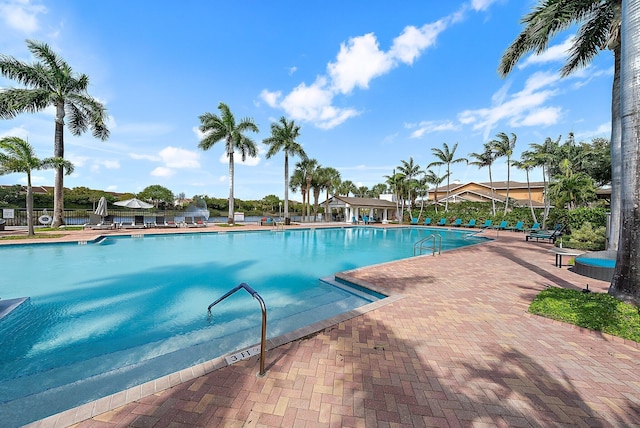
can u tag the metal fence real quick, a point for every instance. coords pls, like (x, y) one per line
(78, 217)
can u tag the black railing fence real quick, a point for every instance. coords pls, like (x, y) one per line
(78, 217)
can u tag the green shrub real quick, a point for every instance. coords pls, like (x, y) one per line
(586, 238)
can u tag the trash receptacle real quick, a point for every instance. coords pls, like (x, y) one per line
(2, 222)
(287, 221)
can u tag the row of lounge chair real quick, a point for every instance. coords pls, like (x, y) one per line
(104, 223)
(533, 232)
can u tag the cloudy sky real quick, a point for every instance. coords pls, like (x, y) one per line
(370, 84)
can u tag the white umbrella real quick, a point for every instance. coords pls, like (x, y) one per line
(101, 210)
(133, 203)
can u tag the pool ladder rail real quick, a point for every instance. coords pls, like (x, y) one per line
(255, 295)
(431, 242)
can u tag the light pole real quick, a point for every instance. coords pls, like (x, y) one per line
(280, 210)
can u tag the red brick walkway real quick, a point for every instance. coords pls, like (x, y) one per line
(459, 349)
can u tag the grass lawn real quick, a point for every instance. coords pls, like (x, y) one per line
(595, 311)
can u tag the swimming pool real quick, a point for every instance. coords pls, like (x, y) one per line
(106, 316)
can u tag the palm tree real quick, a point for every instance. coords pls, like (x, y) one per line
(224, 127)
(17, 155)
(599, 28)
(283, 138)
(436, 180)
(527, 163)
(395, 181)
(544, 155)
(504, 146)
(331, 178)
(410, 170)
(483, 159)
(626, 277)
(446, 157)
(378, 189)
(52, 82)
(347, 187)
(303, 174)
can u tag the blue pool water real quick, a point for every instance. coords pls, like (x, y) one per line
(106, 316)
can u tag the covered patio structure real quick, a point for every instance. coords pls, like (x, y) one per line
(346, 208)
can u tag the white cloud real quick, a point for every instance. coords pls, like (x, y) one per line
(16, 132)
(138, 156)
(21, 15)
(222, 178)
(409, 45)
(358, 62)
(552, 54)
(112, 188)
(292, 70)
(524, 108)
(314, 104)
(427, 127)
(237, 160)
(480, 5)
(174, 157)
(162, 171)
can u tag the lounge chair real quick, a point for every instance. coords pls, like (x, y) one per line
(427, 221)
(414, 220)
(504, 225)
(354, 220)
(519, 227)
(365, 219)
(442, 222)
(94, 220)
(97, 222)
(137, 223)
(487, 224)
(550, 235)
(534, 228)
(472, 223)
(170, 222)
(199, 222)
(457, 223)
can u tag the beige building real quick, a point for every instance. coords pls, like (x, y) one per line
(481, 192)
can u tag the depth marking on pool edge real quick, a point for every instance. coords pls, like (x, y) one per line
(242, 355)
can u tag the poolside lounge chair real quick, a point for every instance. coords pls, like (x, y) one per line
(519, 227)
(472, 223)
(199, 222)
(414, 220)
(354, 220)
(457, 223)
(442, 222)
(137, 223)
(94, 220)
(487, 224)
(550, 235)
(534, 228)
(365, 219)
(427, 221)
(170, 222)
(504, 224)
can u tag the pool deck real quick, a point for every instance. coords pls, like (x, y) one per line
(456, 347)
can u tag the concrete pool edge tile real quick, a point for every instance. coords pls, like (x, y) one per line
(130, 395)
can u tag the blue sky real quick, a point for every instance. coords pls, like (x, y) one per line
(370, 84)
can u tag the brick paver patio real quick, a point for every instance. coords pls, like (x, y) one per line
(455, 348)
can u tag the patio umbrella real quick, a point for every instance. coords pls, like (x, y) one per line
(133, 203)
(101, 210)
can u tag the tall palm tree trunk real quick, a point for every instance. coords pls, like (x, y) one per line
(493, 198)
(616, 158)
(506, 201)
(286, 188)
(58, 185)
(231, 201)
(626, 279)
(533, 212)
(31, 230)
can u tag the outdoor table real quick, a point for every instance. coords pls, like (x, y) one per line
(559, 252)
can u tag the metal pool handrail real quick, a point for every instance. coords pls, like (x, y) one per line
(256, 296)
(437, 244)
